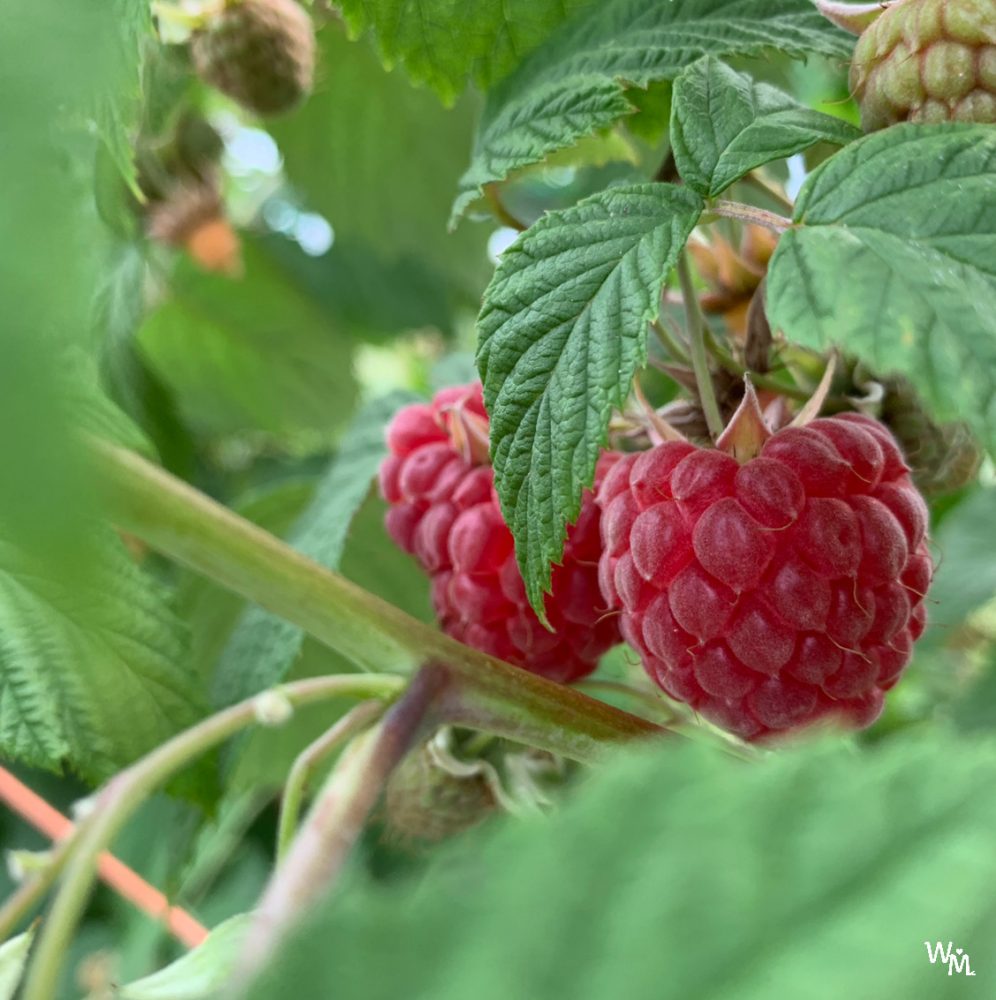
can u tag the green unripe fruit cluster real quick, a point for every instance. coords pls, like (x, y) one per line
(424, 804)
(927, 61)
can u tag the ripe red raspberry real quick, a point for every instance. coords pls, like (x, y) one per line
(770, 594)
(444, 510)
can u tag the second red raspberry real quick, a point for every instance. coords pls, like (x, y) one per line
(770, 594)
(445, 512)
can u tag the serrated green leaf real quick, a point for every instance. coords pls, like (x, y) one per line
(443, 44)
(723, 125)
(909, 216)
(678, 874)
(117, 311)
(13, 957)
(562, 332)
(93, 675)
(263, 646)
(94, 413)
(117, 111)
(250, 353)
(574, 83)
(199, 974)
(380, 159)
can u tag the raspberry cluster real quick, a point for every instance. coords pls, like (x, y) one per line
(445, 512)
(770, 594)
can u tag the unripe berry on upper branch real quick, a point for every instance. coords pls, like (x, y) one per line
(922, 60)
(261, 53)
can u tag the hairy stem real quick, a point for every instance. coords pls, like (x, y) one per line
(697, 337)
(336, 820)
(670, 340)
(124, 793)
(187, 526)
(747, 213)
(352, 723)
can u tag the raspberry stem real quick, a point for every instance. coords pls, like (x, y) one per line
(670, 341)
(351, 724)
(696, 338)
(747, 213)
(191, 528)
(500, 212)
(322, 845)
(123, 794)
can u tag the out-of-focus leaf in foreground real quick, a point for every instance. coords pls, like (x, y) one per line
(680, 873)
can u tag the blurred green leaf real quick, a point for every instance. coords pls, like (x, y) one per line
(976, 709)
(199, 974)
(380, 160)
(118, 111)
(250, 353)
(90, 676)
(60, 70)
(574, 83)
(723, 125)
(562, 331)
(13, 957)
(678, 872)
(262, 648)
(443, 45)
(909, 215)
(348, 282)
(965, 577)
(117, 312)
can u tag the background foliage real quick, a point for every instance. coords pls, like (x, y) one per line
(673, 873)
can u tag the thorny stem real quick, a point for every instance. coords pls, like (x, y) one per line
(351, 724)
(336, 820)
(747, 213)
(696, 337)
(123, 794)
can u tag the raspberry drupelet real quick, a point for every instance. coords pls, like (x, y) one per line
(445, 512)
(773, 593)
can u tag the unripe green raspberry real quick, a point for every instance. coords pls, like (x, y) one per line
(424, 803)
(927, 61)
(261, 53)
